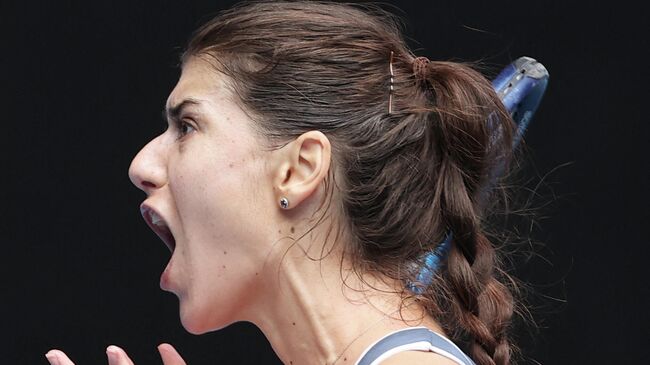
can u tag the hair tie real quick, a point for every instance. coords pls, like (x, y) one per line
(420, 67)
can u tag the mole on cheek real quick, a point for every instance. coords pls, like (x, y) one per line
(293, 229)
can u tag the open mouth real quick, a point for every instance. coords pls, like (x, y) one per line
(158, 225)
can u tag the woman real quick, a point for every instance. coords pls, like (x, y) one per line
(310, 164)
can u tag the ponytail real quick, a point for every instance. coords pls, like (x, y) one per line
(480, 306)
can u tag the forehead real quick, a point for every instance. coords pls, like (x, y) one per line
(199, 80)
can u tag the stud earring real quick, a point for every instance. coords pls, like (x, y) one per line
(284, 203)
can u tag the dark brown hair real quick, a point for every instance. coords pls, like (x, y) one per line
(408, 177)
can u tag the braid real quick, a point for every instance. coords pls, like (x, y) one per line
(480, 307)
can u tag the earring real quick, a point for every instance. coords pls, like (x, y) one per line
(284, 203)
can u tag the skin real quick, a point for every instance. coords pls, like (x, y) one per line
(217, 185)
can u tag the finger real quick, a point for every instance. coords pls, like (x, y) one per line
(58, 357)
(169, 355)
(117, 356)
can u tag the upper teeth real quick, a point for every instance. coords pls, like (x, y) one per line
(156, 219)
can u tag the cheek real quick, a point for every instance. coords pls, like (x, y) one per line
(221, 244)
(211, 200)
(218, 193)
(200, 181)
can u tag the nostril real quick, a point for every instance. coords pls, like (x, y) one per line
(148, 184)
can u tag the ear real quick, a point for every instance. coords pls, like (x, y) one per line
(302, 166)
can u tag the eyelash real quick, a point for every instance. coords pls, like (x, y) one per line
(180, 125)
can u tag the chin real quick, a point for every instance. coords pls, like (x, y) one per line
(198, 322)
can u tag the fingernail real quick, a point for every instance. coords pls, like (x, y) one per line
(113, 354)
(52, 358)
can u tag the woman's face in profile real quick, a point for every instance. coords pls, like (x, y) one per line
(204, 178)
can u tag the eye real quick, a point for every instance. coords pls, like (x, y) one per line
(184, 128)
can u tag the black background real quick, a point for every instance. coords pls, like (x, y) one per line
(82, 87)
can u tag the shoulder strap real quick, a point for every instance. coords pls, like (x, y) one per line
(413, 339)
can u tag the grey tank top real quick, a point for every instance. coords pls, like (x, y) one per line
(412, 339)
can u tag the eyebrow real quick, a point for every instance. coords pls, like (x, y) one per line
(173, 112)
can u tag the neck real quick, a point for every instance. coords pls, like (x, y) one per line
(311, 315)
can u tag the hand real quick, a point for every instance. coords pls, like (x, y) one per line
(117, 356)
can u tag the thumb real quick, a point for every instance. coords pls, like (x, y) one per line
(169, 355)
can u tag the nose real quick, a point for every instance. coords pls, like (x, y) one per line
(148, 170)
